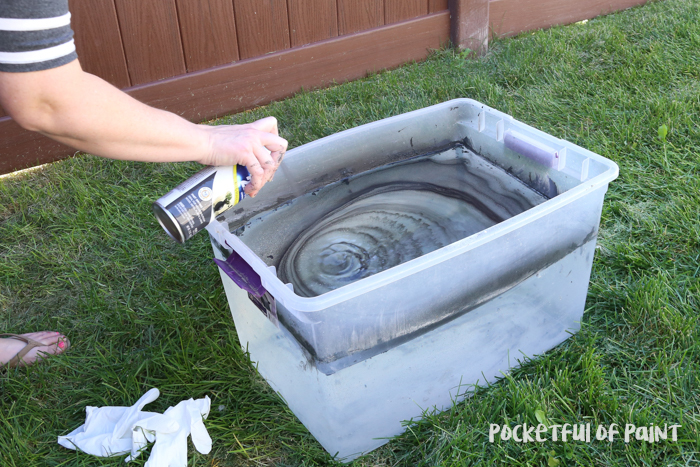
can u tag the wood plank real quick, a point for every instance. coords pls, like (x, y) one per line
(254, 82)
(312, 21)
(470, 24)
(208, 31)
(151, 37)
(359, 15)
(436, 5)
(20, 149)
(98, 40)
(263, 26)
(401, 10)
(250, 83)
(511, 17)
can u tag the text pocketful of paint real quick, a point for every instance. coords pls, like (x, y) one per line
(582, 432)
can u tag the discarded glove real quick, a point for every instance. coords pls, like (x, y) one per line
(113, 431)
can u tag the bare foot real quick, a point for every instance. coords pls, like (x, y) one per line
(55, 343)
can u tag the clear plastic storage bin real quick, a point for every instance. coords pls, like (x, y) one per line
(354, 362)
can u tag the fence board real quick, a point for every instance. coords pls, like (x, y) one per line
(151, 39)
(263, 26)
(400, 10)
(436, 5)
(98, 40)
(20, 148)
(312, 21)
(208, 31)
(359, 15)
(510, 17)
(470, 24)
(249, 83)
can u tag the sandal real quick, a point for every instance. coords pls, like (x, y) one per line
(31, 344)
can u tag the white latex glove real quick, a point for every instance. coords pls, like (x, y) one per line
(112, 431)
(170, 449)
(107, 430)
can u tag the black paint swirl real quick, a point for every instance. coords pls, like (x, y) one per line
(368, 223)
(383, 228)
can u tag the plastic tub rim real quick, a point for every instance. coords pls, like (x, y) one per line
(296, 303)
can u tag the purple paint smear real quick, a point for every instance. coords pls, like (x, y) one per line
(242, 274)
(531, 149)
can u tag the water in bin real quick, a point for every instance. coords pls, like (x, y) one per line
(373, 221)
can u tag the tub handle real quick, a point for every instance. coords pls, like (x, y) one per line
(242, 274)
(534, 150)
(247, 279)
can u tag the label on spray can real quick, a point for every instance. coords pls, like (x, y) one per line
(192, 205)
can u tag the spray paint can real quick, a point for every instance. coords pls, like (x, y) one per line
(193, 204)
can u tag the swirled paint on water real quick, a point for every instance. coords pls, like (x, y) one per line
(368, 223)
(381, 229)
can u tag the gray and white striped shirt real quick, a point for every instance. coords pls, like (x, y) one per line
(35, 35)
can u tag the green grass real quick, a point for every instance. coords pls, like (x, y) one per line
(82, 253)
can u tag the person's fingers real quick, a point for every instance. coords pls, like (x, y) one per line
(257, 173)
(259, 150)
(268, 164)
(277, 156)
(277, 147)
(267, 124)
(272, 142)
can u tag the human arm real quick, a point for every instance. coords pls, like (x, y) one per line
(87, 113)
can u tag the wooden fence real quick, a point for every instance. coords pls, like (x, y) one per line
(205, 58)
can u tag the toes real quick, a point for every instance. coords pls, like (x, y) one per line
(54, 343)
(63, 343)
(59, 345)
(45, 337)
(49, 350)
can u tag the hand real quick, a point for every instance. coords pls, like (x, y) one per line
(256, 145)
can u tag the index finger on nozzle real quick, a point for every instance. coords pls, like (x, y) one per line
(257, 174)
(274, 143)
(270, 139)
(278, 156)
(267, 124)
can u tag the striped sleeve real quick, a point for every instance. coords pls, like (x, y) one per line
(35, 35)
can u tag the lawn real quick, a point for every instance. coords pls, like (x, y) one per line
(82, 253)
